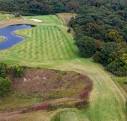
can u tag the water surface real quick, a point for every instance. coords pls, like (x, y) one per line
(11, 38)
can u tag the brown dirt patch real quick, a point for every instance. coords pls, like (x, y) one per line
(66, 17)
(58, 89)
(52, 84)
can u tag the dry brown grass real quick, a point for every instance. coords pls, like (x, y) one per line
(51, 84)
(46, 82)
(66, 17)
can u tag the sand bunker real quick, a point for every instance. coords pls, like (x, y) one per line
(36, 20)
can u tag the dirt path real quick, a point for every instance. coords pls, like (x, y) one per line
(10, 116)
(107, 100)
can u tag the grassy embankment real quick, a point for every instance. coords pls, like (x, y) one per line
(5, 16)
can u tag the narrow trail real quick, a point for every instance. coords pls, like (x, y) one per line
(7, 116)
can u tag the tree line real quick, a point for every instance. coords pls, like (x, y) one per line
(39, 6)
(28, 7)
(101, 33)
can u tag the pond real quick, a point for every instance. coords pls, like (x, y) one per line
(11, 38)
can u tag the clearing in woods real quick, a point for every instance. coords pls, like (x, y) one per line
(49, 45)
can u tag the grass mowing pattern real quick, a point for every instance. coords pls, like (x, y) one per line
(49, 43)
(44, 43)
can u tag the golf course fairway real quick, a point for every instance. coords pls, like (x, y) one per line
(49, 45)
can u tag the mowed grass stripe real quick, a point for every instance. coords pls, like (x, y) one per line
(44, 46)
(62, 44)
(66, 43)
(43, 43)
(51, 48)
(70, 44)
(47, 44)
(54, 46)
(57, 42)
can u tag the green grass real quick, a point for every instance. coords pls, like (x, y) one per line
(49, 45)
(44, 43)
(5, 16)
(50, 19)
(106, 101)
(67, 114)
(122, 81)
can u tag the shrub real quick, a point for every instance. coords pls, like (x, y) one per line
(18, 71)
(106, 53)
(118, 68)
(69, 30)
(5, 86)
(87, 46)
(17, 14)
(3, 70)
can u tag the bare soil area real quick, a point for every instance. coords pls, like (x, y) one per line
(51, 84)
(58, 89)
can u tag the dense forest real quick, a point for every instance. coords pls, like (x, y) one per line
(39, 6)
(100, 26)
(101, 33)
(51, 6)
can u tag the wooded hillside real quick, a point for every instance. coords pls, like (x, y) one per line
(51, 6)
